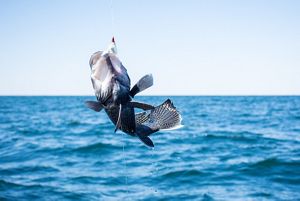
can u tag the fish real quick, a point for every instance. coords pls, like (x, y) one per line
(112, 88)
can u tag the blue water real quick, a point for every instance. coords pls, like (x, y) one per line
(231, 148)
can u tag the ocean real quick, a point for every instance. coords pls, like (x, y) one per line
(230, 148)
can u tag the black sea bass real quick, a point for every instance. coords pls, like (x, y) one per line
(111, 84)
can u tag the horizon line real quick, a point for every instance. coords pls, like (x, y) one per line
(179, 95)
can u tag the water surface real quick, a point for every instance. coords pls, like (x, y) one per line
(231, 148)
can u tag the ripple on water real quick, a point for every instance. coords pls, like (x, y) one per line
(273, 166)
(96, 148)
(28, 170)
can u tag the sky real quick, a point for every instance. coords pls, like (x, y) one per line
(211, 47)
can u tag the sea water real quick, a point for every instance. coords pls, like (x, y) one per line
(230, 148)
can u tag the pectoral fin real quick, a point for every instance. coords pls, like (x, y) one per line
(144, 83)
(146, 140)
(94, 105)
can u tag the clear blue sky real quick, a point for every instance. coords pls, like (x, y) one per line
(191, 47)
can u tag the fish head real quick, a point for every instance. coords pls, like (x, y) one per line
(109, 77)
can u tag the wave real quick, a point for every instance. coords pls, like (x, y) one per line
(273, 162)
(95, 148)
(296, 117)
(291, 181)
(8, 185)
(273, 167)
(261, 194)
(27, 170)
(75, 123)
(184, 174)
(17, 191)
(87, 179)
(269, 162)
(30, 131)
(184, 196)
(246, 136)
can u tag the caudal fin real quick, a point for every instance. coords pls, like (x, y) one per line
(164, 116)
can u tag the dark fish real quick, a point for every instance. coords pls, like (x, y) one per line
(111, 84)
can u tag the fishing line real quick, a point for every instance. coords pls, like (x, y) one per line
(154, 169)
(112, 17)
(125, 163)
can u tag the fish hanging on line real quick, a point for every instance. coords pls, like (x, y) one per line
(111, 85)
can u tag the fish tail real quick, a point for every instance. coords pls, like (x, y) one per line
(162, 117)
(166, 116)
